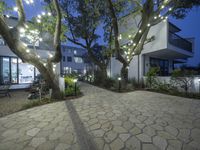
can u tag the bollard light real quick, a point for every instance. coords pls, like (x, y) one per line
(75, 81)
(119, 79)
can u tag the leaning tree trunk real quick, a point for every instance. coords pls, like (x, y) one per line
(124, 75)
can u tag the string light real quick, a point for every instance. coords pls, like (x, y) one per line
(129, 36)
(38, 56)
(7, 16)
(148, 25)
(40, 39)
(140, 31)
(15, 8)
(28, 51)
(49, 14)
(170, 9)
(39, 21)
(155, 17)
(162, 6)
(22, 30)
(43, 13)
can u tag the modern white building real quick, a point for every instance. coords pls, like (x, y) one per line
(73, 60)
(12, 69)
(166, 50)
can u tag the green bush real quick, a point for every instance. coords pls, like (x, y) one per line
(70, 86)
(35, 103)
(109, 82)
(151, 77)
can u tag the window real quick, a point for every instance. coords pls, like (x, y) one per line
(64, 58)
(13, 70)
(162, 64)
(26, 72)
(5, 70)
(69, 59)
(78, 59)
(2, 41)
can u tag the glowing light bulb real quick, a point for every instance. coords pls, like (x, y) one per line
(49, 14)
(148, 25)
(162, 6)
(140, 31)
(15, 8)
(28, 51)
(170, 9)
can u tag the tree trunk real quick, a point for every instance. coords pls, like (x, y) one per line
(124, 75)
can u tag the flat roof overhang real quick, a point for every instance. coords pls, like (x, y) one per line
(169, 54)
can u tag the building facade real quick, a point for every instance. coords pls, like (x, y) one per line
(73, 60)
(166, 50)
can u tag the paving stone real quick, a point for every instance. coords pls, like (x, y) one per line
(173, 131)
(62, 146)
(119, 129)
(35, 142)
(124, 137)
(46, 146)
(149, 147)
(33, 131)
(144, 138)
(160, 142)
(133, 143)
(149, 131)
(110, 136)
(135, 131)
(117, 144)
(165, 135)
(174, 144)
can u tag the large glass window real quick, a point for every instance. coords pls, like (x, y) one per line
(5, 70)
(14, 73)
(162, 64)
(26, 72)
(78, 59)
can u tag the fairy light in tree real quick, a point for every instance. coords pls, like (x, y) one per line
(25, 44)
(155, 17)
(170, 9)
(15, 8)
(22, 30)
(162, 17)
(38, 56)
(129, 36)
(134, 44)
(120, 37)
(38, 21)
(159, 15)
(43, 13)
(148, 25)
(45, 64)
(39, 16)
(140, 31)
(40, 39)
(162, 6)
(28, 51)
(50, 55)
(7, 16)
(49, 14)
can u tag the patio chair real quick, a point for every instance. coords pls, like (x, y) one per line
(4, 90)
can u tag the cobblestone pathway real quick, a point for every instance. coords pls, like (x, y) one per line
(104, 120)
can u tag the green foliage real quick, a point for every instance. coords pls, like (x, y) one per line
(35, 103)
(151, 76)
(70, 86)
(3, 7)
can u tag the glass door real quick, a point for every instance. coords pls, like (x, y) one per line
(5, 70)
(14, 72)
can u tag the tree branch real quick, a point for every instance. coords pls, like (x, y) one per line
(21, 14)
(57, 34)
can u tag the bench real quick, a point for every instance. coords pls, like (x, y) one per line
(4, 90)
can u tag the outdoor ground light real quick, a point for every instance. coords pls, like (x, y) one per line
(119, 79)
(75, 81)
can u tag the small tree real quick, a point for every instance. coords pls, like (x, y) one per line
(151, 76)
(183, 79)
(12, 36)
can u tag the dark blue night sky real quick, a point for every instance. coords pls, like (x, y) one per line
(190, 26)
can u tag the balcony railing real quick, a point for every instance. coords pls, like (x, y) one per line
(180, 42)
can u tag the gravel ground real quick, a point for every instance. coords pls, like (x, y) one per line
(13, 104)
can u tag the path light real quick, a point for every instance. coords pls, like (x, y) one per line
(119, 79)
(75, 81)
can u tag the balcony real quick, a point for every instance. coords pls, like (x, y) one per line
(180, 42)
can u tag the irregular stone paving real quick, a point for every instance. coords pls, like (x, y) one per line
(110, 121)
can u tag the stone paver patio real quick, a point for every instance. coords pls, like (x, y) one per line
(105, 120)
